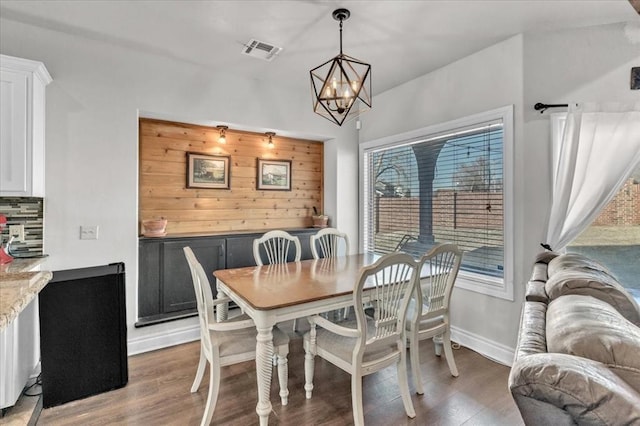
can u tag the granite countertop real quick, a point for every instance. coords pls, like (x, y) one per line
(19, 285)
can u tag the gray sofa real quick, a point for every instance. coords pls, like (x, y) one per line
(578, 355)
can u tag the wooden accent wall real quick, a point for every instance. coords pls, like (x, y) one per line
(163, 188)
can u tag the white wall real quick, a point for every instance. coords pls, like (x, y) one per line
(92, 145)
(341, 178)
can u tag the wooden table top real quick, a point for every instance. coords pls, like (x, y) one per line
(276, 286)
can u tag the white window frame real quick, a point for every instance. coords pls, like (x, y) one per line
(492, 286)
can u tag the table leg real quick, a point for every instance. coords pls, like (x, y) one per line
(264, 369)
(222, 311)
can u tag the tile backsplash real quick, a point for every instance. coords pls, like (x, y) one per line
(27, 211)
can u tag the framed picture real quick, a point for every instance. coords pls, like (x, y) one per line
(207, 171)
(274, 175)
(635, 78)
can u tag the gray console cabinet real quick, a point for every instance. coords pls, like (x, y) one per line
(165, 289)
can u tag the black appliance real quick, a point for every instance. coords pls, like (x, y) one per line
(83, 333)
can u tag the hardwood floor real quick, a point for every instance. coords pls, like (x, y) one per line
(159, 383)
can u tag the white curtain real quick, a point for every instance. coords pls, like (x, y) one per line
(599, 150)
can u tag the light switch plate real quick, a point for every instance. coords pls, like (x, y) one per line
(18, 232)
(89, 232)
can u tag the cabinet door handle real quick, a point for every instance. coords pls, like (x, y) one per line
(222, 253)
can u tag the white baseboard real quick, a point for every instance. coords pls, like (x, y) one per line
(163, 339)
(493, 350)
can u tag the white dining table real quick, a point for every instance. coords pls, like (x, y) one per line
(270, 294)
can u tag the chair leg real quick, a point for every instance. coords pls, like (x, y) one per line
(309, 364)
(345, 314)
(414, 350)
(356, 399)
(403, 382)
(437, 342)
(202, 364)
(283, 377)
(309, 358)
(448, 353)
(212, 398)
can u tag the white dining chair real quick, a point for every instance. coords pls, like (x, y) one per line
(428, 315)
(376, 339)
(276, 245)
(329, 242)
(227, 342)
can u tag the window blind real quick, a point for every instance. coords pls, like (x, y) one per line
(439, 188)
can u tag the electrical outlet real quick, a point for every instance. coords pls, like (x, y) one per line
(89, 232)
(17, 231)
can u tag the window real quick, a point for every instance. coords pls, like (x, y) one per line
(445, 183)
(613, 238)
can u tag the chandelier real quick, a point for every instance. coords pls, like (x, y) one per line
(341, 86)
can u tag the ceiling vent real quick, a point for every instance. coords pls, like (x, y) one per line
(261, 50)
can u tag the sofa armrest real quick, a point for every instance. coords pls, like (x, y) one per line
(536, 292)
(532, 331)
(546, 256)
(539, 272)
(587, 390)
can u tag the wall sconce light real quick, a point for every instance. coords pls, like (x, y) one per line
(223, 135)
(270, 143)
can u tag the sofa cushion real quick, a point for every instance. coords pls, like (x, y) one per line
(591, 282)
(574, 261)
(581, 387)
(590, 328)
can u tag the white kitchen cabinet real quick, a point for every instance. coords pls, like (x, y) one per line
(22, 122)
(19, 353)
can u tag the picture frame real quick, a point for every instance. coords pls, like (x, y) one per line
(635, 78)
(273, 175)
(208, 171)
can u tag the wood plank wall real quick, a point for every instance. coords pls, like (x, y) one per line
(163, 188)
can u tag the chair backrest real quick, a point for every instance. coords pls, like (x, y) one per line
(389, 284)
(276, 245)
(328, 239)
(441, 265)
(204, 299)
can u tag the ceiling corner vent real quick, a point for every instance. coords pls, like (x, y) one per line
(261, 50)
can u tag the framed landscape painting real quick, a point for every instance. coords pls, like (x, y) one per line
(207, 171)
(274, 175)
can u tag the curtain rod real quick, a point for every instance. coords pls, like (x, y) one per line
(543, 107)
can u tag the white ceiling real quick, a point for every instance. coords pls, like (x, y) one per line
(401, 39)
